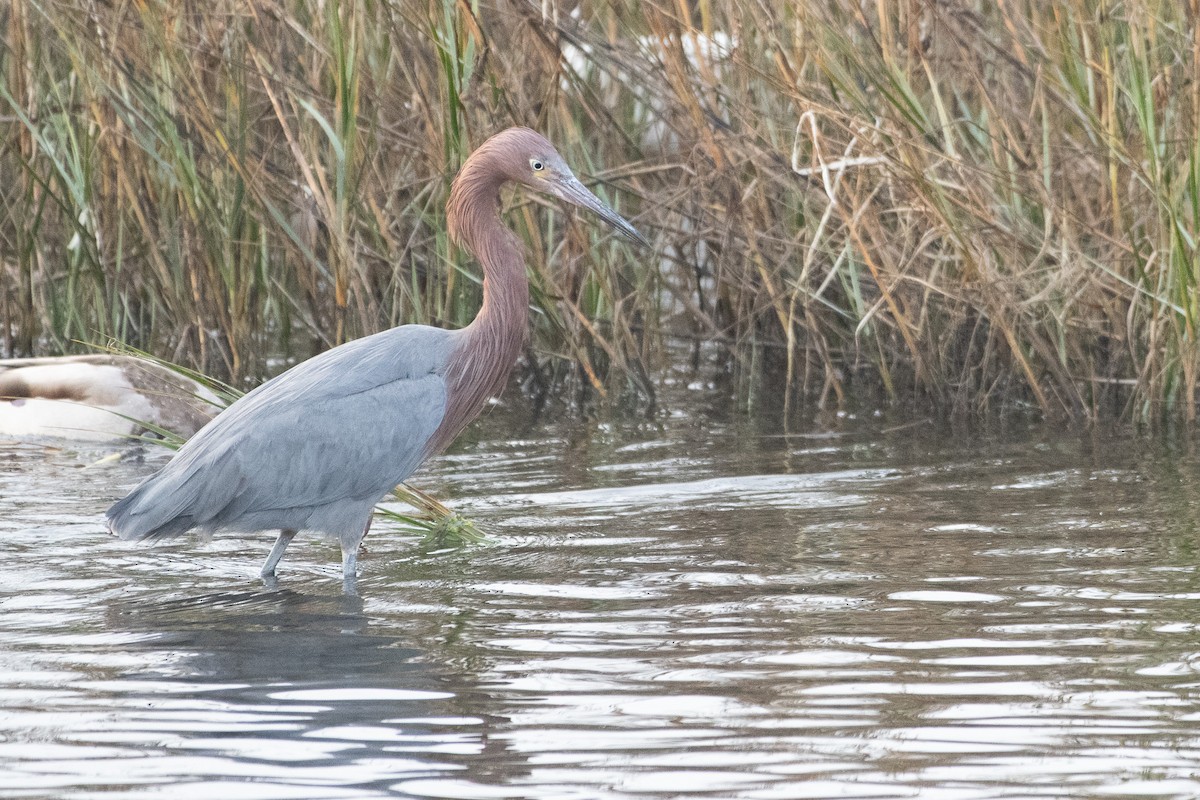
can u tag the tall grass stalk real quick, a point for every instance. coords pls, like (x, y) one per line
(976, 205)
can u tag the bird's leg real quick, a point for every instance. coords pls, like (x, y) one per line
(350, 563)
(350, 546)
(350, 571)
(285, 538)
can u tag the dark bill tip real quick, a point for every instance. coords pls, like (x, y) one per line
(575, 192)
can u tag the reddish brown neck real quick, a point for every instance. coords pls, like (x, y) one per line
(488, 347)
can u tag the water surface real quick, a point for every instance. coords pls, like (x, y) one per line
(695, 608)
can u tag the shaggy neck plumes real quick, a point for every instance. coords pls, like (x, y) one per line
(479, 366)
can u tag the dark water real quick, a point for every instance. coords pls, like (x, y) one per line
(694, 610)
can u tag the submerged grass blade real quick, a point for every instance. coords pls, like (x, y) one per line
(439, 526)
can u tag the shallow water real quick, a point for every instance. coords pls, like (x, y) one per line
(698, 609)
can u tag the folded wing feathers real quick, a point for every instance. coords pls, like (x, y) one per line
(350, 423)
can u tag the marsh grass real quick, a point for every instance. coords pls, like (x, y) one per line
(438, 526)
(980, 206)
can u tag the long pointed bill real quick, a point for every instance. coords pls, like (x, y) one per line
(575, 192)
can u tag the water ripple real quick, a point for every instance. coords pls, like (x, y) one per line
(876, 614)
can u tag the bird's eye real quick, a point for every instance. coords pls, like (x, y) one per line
(538, 166)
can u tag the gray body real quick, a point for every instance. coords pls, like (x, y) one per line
(312, 449)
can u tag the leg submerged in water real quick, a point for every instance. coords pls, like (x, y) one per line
(285, 538)
(350, 545)
(350, 565)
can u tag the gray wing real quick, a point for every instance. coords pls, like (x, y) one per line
(350, 423)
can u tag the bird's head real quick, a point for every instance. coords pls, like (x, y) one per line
(529, 159)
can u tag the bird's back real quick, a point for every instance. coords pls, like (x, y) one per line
(312, 449)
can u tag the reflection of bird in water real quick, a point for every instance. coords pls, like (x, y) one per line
(98, 398)
(305, 676)
(318, 446)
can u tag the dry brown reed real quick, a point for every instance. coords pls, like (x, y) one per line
(980, 205)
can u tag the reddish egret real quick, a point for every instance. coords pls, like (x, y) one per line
(98, 397)
(317, 447)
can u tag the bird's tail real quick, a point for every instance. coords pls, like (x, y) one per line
(152, 510)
